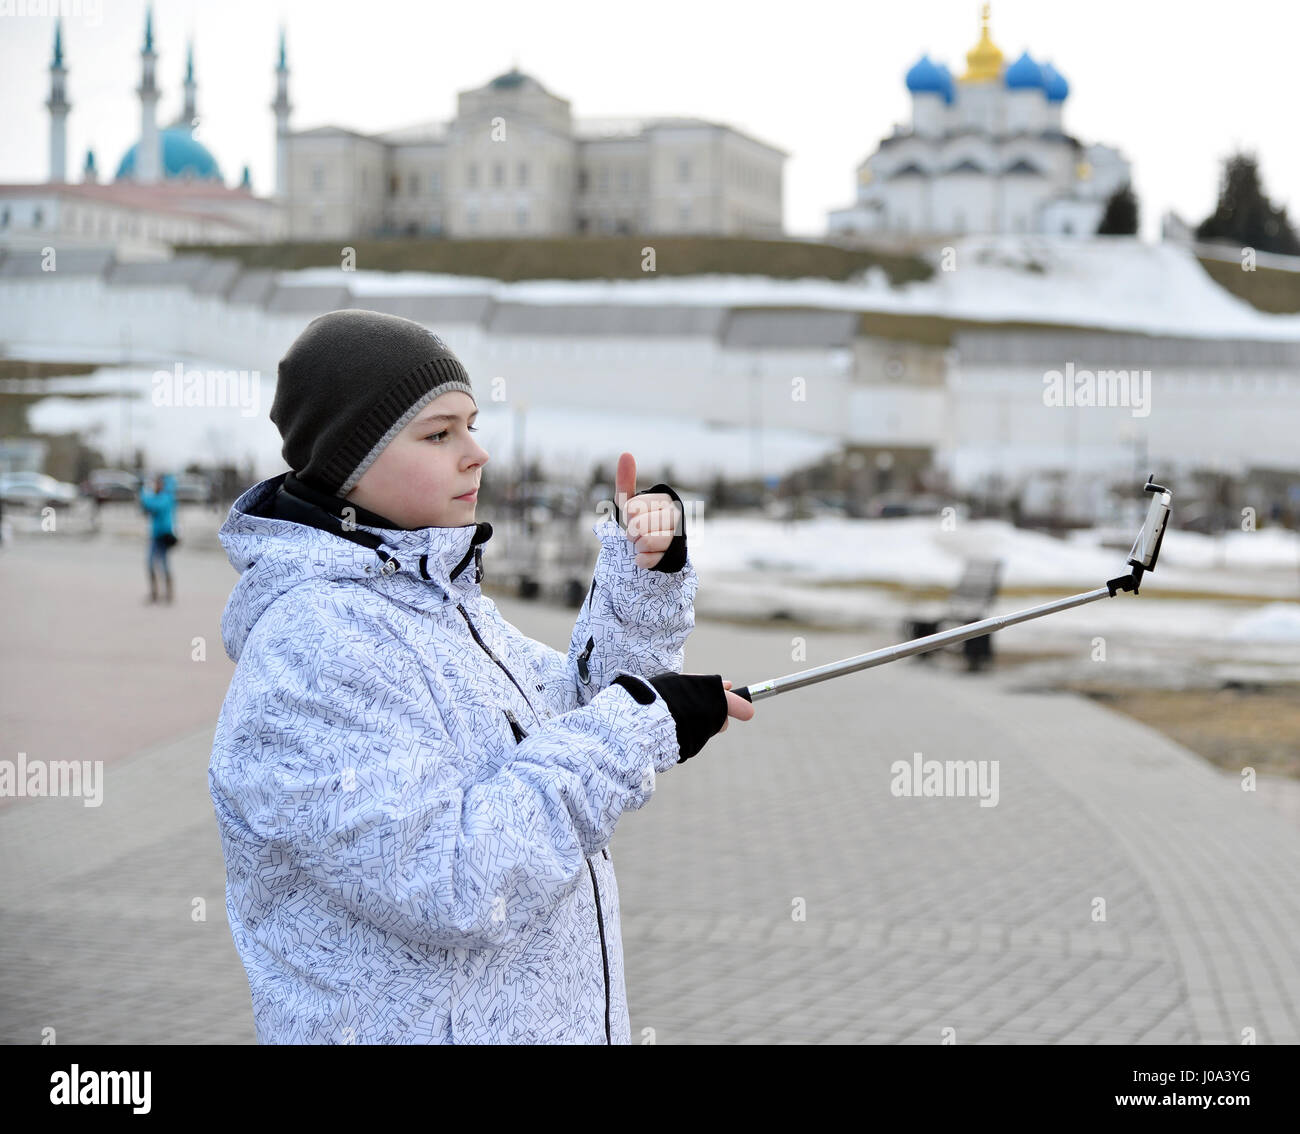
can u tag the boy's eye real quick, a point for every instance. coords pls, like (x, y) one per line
(436, 436)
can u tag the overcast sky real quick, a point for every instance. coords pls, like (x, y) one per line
(1176, 86)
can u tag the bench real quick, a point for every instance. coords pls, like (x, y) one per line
(968, 602)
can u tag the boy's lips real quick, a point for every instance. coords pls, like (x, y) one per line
(468, 495)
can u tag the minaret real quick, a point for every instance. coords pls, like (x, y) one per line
(148, 157)
(90, 175)
(281, 107)
(58, 107)
(191, 113)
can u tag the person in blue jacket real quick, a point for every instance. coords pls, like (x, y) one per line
(160, 506)
(415, 800)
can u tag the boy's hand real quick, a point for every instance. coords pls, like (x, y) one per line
(652, 519)
(737, 707)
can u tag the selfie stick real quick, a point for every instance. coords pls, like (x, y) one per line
(1141, 558)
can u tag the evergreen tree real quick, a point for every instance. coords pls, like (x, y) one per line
(1121, 215)
(1244, 215)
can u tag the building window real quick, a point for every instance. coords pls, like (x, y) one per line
(625, 179)
(318, 177)
(412, 184)
(604, 179)
(582, 181)
(498, 173)
(435, 182)
(523, 173)
(4, 219)
(394, 184)
(471, 176)
(521, 218)
(37, 217)
(472, 217)
(683, 215)
(683, 169)
(317, 221)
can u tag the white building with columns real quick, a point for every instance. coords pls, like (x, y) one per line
(985, 153)
(514, 161)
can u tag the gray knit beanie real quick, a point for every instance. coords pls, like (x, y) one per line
(349, 384)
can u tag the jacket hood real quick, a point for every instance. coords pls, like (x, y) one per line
(424, 567)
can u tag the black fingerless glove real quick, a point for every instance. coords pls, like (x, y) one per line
(674, 558)
(698, 703)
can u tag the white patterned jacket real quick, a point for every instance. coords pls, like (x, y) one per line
(415, 799)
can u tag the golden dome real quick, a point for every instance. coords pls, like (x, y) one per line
(984, 60)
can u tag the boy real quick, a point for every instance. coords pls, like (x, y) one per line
(415, 799)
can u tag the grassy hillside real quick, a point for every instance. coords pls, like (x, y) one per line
(581, 257)
(1267, 289)
(620, 257)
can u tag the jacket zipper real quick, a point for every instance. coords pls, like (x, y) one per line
(515, 726)
(537, 716)
(584, 671)
(519, 732)
(604, 956)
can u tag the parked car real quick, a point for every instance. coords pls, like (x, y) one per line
(891, 504)
(112, 484)
(191, 488)
(36, 490)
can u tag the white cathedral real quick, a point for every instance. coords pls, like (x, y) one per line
(985, 153)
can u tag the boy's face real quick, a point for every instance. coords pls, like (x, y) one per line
(417, 479)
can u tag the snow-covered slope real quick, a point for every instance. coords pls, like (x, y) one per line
(1114, 282)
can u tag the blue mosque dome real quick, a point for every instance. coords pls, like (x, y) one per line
(1024, 74)
(182, 156)
(1054, 83)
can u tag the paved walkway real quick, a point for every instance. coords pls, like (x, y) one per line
(919, 914)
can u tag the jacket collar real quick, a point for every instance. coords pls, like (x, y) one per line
(452, 557)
